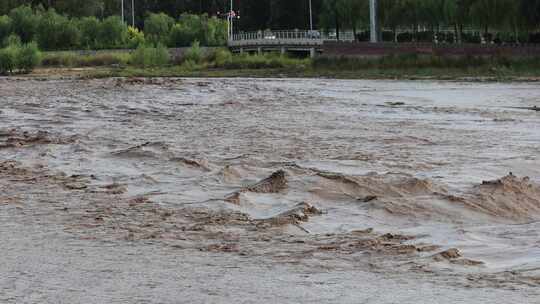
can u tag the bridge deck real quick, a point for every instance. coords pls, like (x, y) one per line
(301, 39)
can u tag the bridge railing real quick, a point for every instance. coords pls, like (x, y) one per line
(276, 38)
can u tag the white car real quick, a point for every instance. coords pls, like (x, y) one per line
(314, 34)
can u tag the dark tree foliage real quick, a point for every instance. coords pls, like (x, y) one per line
(254, 14)
(508, 15)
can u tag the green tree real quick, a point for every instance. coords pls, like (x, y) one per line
(530, 10)
(331, 17)
(5, 28)
(157, 27)
(391, 15)
(78, 8)
(89, 28)
(354, 13)
(24, 22)
(216, 32)
(112, 33)
(57, 32)
(188, 29)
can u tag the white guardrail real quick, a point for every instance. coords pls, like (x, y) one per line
(312, 38)
(303, 37)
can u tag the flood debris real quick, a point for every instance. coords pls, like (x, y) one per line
(275, 183)
(394, 103)
(367, 198)
(131, 149)
(140, 81)
(449, 254)
(294, 216)
(114, 188)
(533, 108)
(16, 138)
(454, 256)
(200, 164)
(508, 197)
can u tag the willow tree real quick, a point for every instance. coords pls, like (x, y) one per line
(354, 13)
(330, 16)
(530, 10)
(495, 14)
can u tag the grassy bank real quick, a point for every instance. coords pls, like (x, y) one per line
(154, 62)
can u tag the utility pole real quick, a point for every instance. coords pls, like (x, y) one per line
(231, 22)
(122, 11)
(133, 13)
(374, 33)
(310, 17)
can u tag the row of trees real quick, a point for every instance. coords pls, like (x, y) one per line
(106, 8)
(53, 31)
(512, 17)
(255, 14)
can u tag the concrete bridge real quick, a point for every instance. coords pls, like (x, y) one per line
(309, 42)
(290, 41)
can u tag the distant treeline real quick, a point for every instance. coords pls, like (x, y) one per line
(454, 20)
(401, 20)
(53, 31)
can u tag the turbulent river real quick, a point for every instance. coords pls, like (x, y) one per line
(264, 190)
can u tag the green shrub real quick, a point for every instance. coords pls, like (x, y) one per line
(72, 59)
(150, 56)
(135, 38)
(190, 65)
(265, 61)
(194, 53)
(7, 59)
(103, 59)
(112, 33)
(157, 27)
(24, 22)
(5, 27)
(222, 58)
(60, 59)
(414, 62)
(28, 57)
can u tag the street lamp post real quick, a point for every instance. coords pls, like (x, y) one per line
(122, 10)
(374, 33)
(310, 16)
(133, 13)
(231, 22)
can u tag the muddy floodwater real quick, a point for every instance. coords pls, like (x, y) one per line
(269, 191)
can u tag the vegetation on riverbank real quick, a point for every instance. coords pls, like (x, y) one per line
(18, 57)
(150, 62)
(476, 74)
